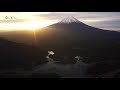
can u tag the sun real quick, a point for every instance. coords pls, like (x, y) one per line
(32, 25)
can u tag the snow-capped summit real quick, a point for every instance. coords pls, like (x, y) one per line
(70, 19)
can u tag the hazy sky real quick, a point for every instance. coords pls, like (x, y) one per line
(33, 20)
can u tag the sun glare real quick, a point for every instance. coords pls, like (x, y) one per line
(35, 25)
(28, 25)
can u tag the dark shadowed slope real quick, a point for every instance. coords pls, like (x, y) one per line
(26, 37)
(15, 55)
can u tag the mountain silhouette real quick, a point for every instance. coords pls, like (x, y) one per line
(70, 30)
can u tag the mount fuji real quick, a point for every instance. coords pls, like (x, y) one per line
(71, 31)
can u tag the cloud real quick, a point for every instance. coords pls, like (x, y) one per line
(93, 15)
(107, 24)
(12, 21)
